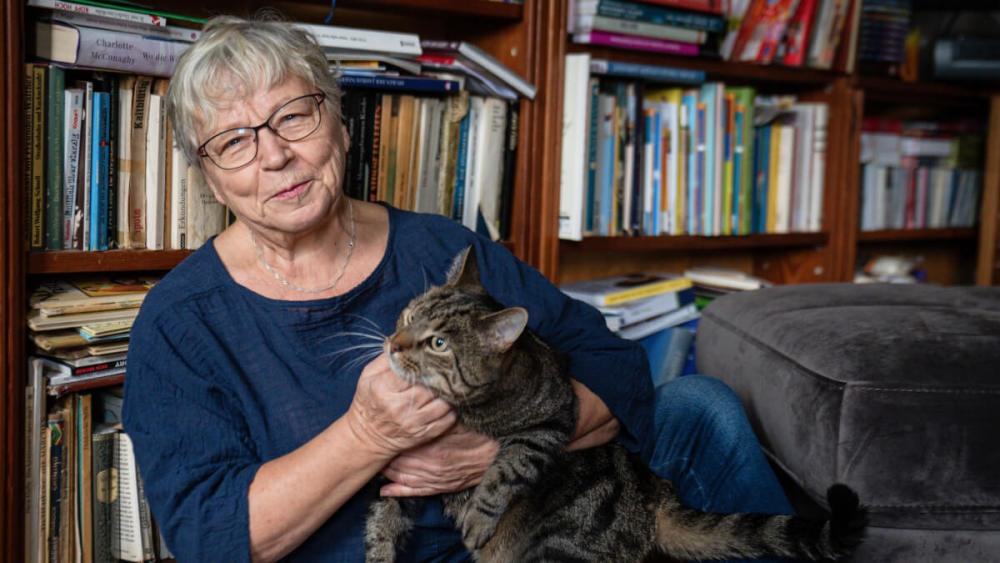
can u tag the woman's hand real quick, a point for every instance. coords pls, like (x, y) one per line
(454, 461)
(392, 415)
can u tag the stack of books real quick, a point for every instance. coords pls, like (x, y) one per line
(920, 175)
(637, 305)
(708, 160)
(676, 27)
(657, 310)
(714, 281)
(813, 33)
(80, 327)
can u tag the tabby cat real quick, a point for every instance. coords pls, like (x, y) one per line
(537, 502)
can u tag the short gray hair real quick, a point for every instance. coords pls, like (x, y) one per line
(233, 58)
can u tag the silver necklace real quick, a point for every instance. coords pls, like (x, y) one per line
(290, 285)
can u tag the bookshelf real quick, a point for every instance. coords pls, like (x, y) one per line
(531, 39)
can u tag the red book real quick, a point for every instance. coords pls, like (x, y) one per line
(797, 34)
(709, 6)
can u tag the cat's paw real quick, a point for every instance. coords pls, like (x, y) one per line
(477, 528)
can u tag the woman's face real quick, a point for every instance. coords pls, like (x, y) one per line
(290, 186)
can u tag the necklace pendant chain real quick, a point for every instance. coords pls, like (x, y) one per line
(290, 285)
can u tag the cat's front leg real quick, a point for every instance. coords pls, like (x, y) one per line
(518, 465)
(388, 523)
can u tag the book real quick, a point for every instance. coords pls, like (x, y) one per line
(575, 122)
(127, 6)
(482, 59)
(55, 83)
(726, 278)
(658, 323)
(478, 80)
(38, 322)
(588, 23)
(88, 293)
(126, 525)
(335, 38)
(136, 200)
(638, 310)
(73, 135)
(634, 42)
(156, 150)
(205, 215)
(99, 170)
(116, 20)
(616, 290)
(35, 79)
(413, 83)
(646, 12)
(90, 47)
(646, 72)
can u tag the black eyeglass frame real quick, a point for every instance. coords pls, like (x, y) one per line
(318, 96)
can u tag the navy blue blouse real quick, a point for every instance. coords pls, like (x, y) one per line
(221, 379)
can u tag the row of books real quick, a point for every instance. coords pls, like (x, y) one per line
(664, 27)
(453, 155)
(814, 33)
(102, 169)
(920, 174)
(707, 160)
(84, 495)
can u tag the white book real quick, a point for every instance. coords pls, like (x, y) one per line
(639, 310)
(656, 324)
(575, 136)
(124, 157)
(155, 162)
(72, 141)
(430, 134)
(589, 22)
(802, 169)
(470, 205)
(178, 197)
(669, 113)
(356, 39)
(786, 159)
(107, 13)
(821, 116)
(172, 32)
(491, 157)
(125, 517)
(205, 215)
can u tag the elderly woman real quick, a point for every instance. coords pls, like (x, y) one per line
(258, 403)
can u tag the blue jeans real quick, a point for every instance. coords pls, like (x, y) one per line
(703, 443)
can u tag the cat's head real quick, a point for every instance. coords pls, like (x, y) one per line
(453, 338)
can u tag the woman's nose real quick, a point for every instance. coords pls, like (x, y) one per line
(272, 150)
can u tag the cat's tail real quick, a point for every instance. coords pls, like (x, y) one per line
(685, 533)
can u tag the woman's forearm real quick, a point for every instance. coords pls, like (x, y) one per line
(293, 495)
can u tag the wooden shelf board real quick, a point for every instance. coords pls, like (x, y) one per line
(917, 235)
(715, 69)
(65, 262)
(940, 94)
(687, 242)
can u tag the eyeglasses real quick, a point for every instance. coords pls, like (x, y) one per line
(295, 120)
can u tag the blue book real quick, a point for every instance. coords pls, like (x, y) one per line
(458, 195)
(710, 94)
(413, 83)
(646, 72)
(99, 167)
(763, 155)
(701, 206)
(592, 151)
(655, 14)
(606, 162)
(656, 127)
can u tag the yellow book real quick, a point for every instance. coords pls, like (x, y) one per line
(620, 289)
(774, 160)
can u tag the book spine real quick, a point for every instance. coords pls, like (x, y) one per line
(376, 147)
(137, 176)
(486, 62)
(55, 84)
(352, 39)
(640, 28)
(461, 165)
(708, 6)
(648, 72)
(640, 43)
(109, 13)
(99, 173)
(400, 83)
(655, 14)
(72, 139)
(128, 52)
(36, 184)
(113, 24)
(509, 169)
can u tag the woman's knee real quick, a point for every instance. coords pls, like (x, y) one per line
(703, 401)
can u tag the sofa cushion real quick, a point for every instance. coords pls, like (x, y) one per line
(892, 389)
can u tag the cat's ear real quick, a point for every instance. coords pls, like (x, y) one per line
(464, 271)
(503, 328)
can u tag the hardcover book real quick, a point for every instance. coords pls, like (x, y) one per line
(621, 289)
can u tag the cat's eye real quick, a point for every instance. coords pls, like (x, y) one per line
(407, 317)
(438, 344)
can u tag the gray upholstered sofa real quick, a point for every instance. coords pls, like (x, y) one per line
(894, 390)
